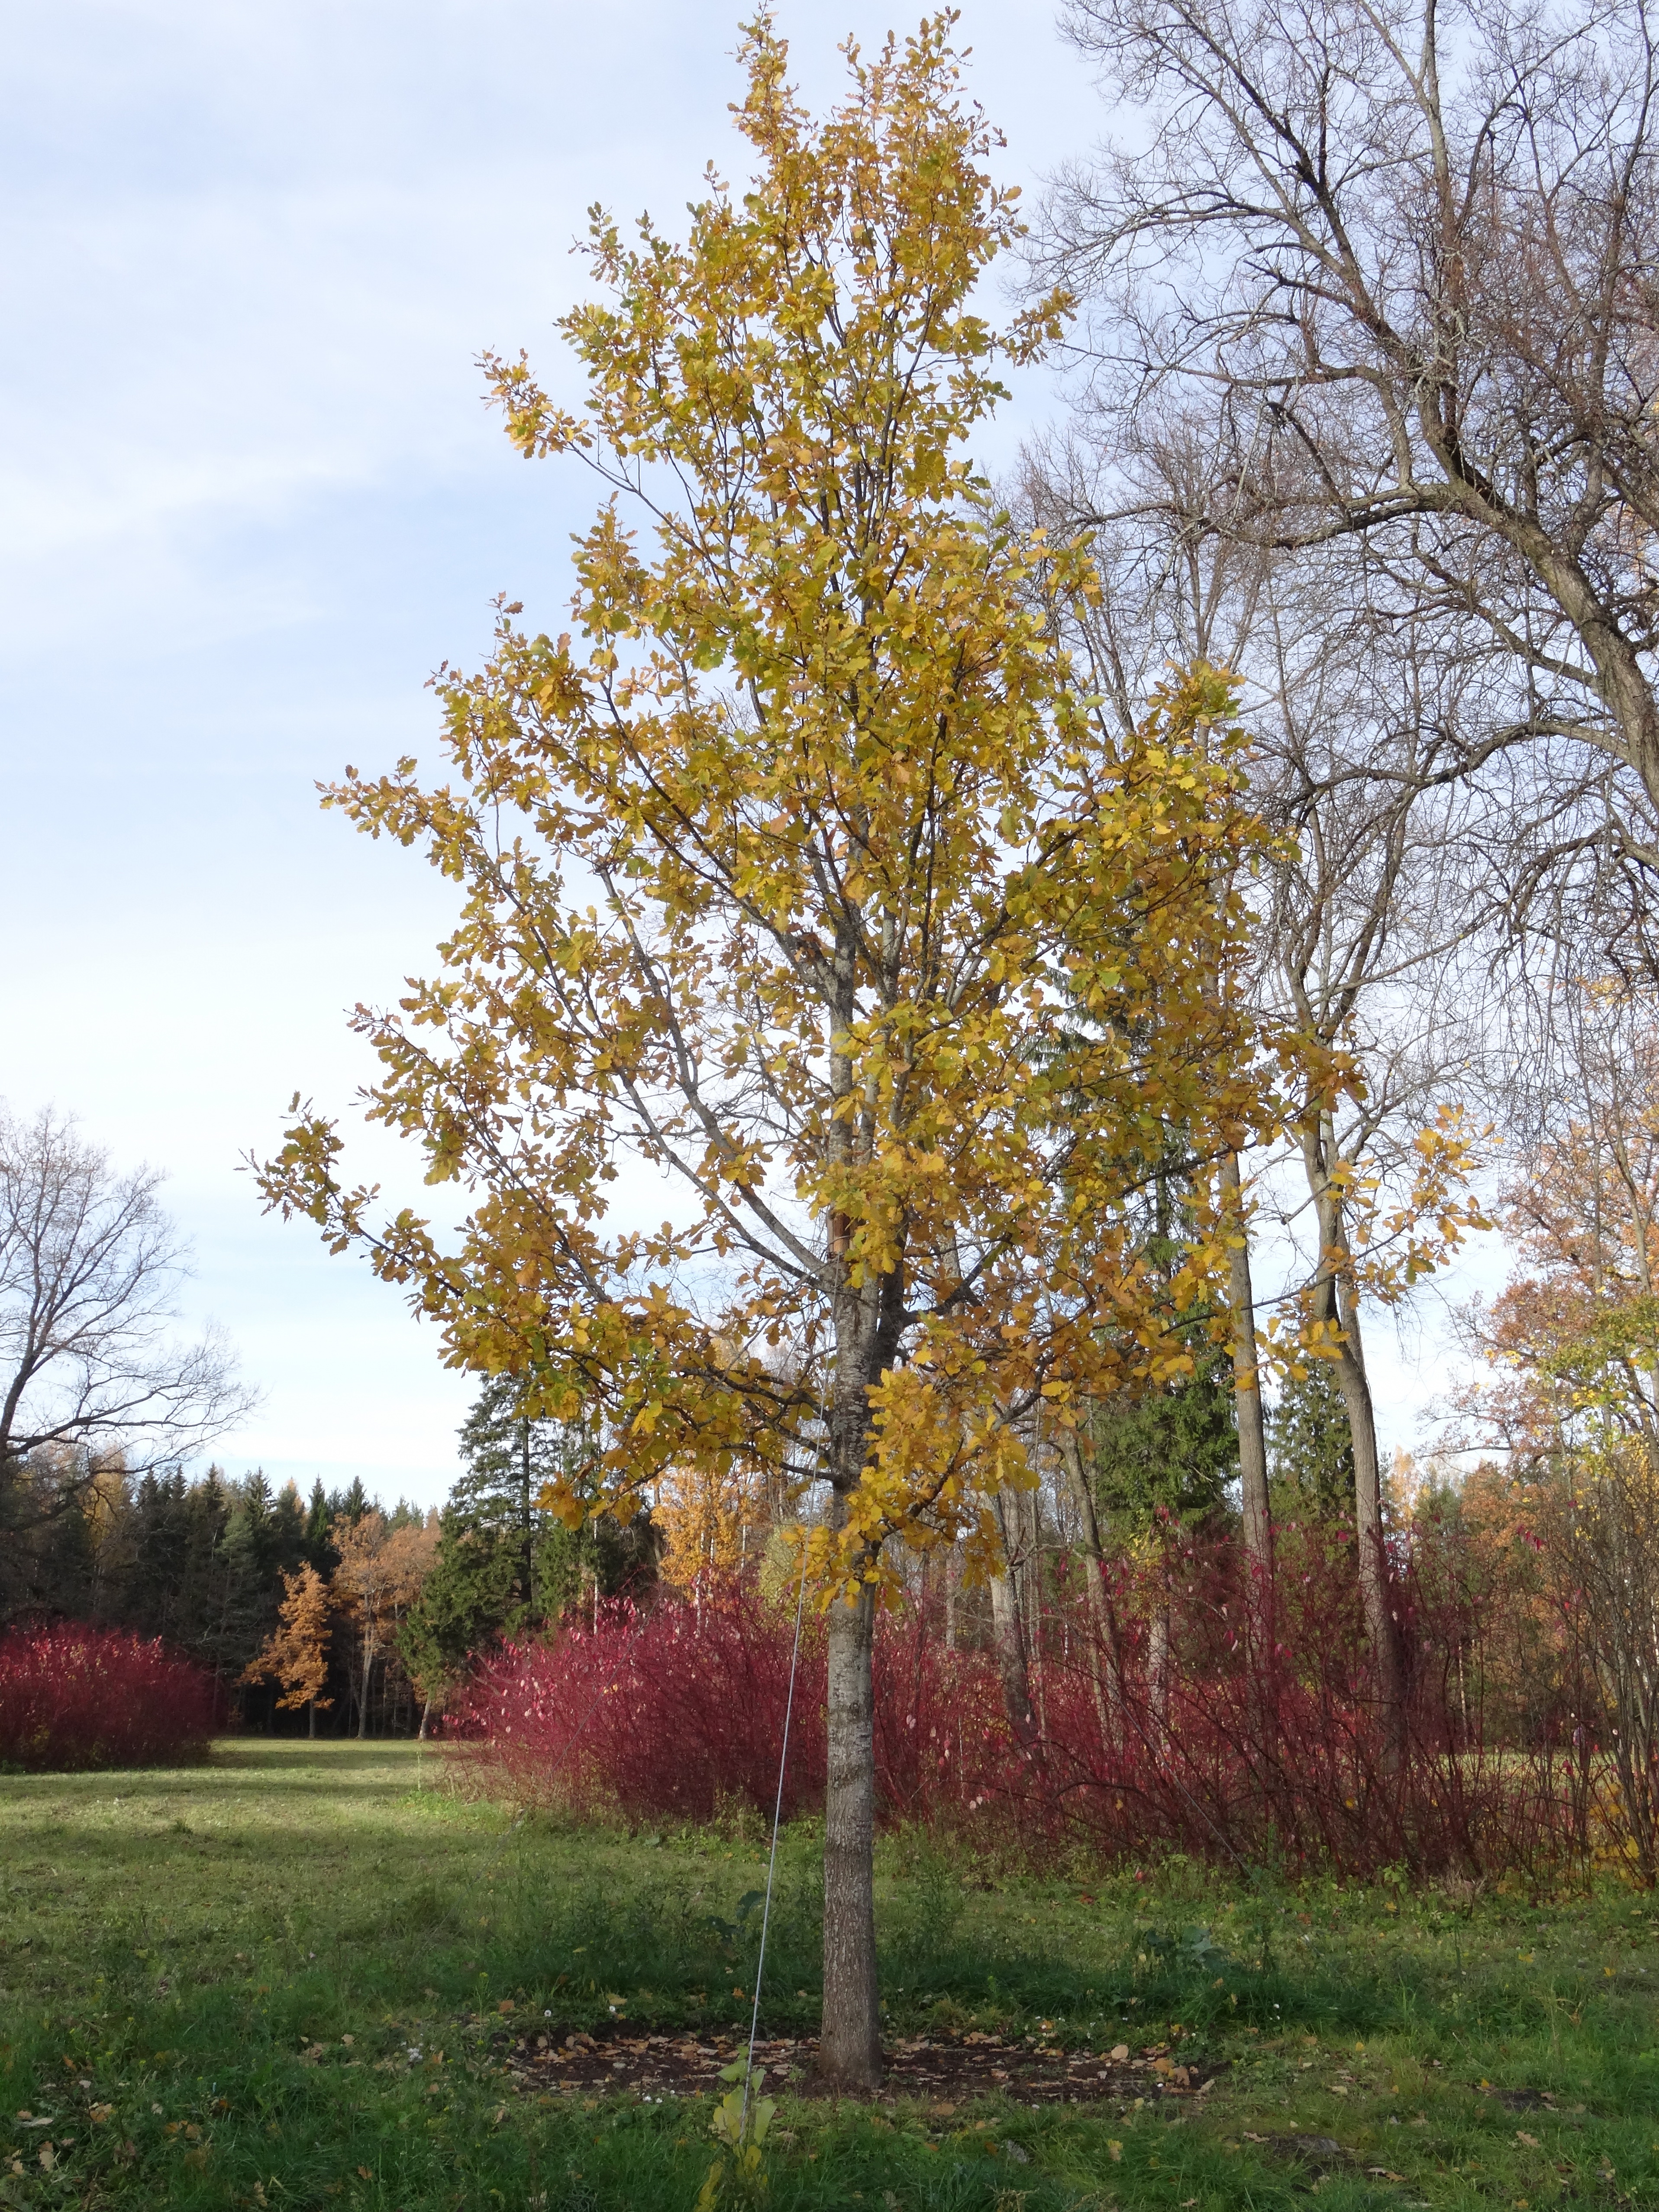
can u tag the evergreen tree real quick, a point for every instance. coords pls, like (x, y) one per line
(246, 1567)
(506, 1566)
(1309, 1448)
(288, 1525)
(47, 1564)
(320, 1550)
(198, 1609)
(159, 1549)
(1170, 1455)
(350, 1504)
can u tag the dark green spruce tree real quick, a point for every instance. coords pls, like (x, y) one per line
(1310, 1449)
(493, 1537)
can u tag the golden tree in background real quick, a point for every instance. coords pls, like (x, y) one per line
(297, 1655)
(713, 1522)
(379, 1577)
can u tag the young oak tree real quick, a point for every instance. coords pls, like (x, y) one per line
(781, 889)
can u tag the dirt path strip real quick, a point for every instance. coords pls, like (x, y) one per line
(940, 2070)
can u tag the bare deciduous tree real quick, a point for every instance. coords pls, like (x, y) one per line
(1396, 274)
(1364, 908)
(90, 1269)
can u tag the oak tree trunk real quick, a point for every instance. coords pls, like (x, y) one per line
(867, 1324)
(849, 2047)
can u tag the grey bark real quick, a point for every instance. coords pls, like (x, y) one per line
(867, 1319)
(1011, 1669)
(90, 1270)
(1159, 1641)
(1247, 1382)
(1105, 1655)
(850, 2046)
(1336, 1306)
(1393, 272)
(371, 1650)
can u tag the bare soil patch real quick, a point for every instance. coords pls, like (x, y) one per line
(942, 2070)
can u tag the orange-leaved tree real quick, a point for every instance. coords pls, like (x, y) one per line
(1574, 1337)
(297, 1654)
(709, 1518)
(807, 889)
(379, 1577)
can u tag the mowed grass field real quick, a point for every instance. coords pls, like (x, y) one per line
(282, 1979)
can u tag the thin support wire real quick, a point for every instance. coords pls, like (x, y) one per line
(771, 1863)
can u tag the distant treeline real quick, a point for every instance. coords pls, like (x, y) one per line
(198, 1563)
(211, 1565)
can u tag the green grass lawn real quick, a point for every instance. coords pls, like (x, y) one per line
(175, 1947)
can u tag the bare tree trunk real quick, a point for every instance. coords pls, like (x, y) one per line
(1008, 1621)
(1335, 1305)
(1105, 1660)
(426, 1715)
(866, 1325)
(1158, 1664)
(951, 1576)
(1375, 1583)
(368, 1677)
(311, 1719)
(1246, 1382)
(850, 2048)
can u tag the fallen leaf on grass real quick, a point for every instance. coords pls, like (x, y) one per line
(1118, 2052)
(48, 2157)
(1114, 2151)
(1531, 2142)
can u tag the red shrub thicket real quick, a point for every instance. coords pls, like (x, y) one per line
(1191, 1716)
(73, 1696)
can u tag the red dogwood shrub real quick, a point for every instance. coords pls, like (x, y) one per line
(1241, 1730)
(73, 1696)
(671, 1713)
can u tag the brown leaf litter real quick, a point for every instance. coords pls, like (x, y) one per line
(941, 2069)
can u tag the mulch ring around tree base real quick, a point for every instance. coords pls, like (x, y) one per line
(940, 2070)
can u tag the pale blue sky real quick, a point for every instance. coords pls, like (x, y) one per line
(251, 498)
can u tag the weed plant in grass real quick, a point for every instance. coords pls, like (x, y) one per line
(285, 1979)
